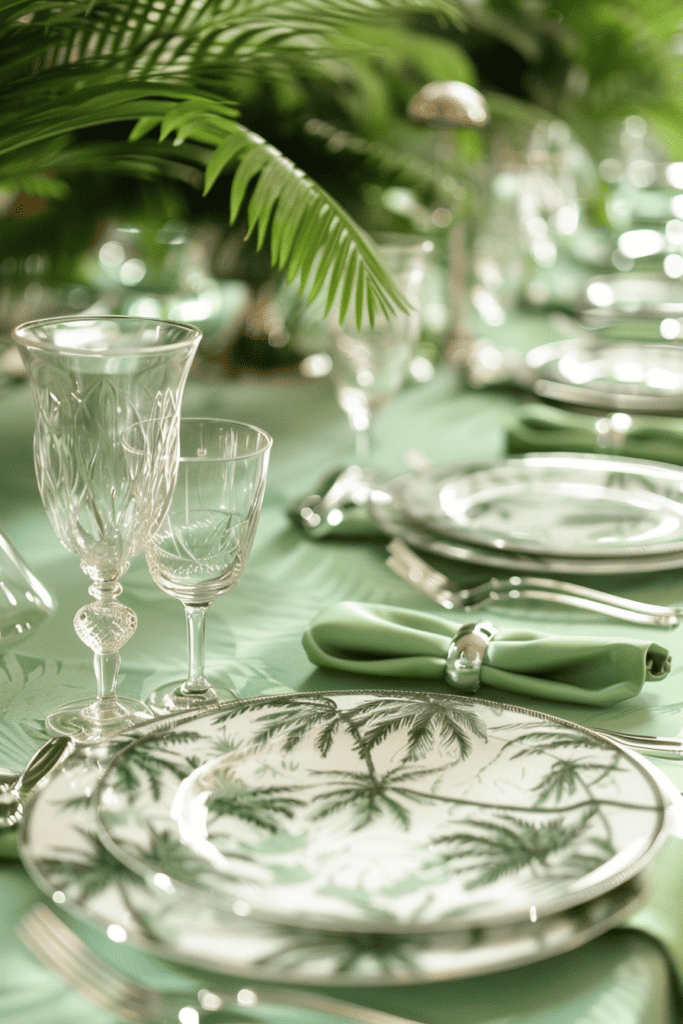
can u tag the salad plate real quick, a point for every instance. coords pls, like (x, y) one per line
(636, 293)
(391, 522)
(551, 505)
(623, 373)
(573, 848)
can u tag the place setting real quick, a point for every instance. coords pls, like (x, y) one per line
(341, 513)
(359, 837)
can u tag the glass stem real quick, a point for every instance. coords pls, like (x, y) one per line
(195, 615)
(107, 673)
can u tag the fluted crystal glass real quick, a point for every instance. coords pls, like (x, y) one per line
(92, 378)
(203, 543)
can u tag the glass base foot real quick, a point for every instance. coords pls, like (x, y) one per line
(169, 698)
(89, 721)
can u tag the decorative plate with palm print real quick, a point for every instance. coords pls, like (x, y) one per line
(380, 811)
(551, 504)
(61, 849)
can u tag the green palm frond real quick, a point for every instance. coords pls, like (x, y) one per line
(263, 807)
(557, 737)
(89, 870)
(294, 719)
(71, 67)
(146, 764)
(567, 777)
(392, 162)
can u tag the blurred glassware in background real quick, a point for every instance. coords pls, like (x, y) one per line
(27, 292)
(163, 271)
(643, 306)
(370, 365)
(500, 258)
(634, 169)
(532, 242)
(24, 601)
(643, 202)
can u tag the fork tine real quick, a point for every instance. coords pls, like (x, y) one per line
(446, 592)
(59, 949)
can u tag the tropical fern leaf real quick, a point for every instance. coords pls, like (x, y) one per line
(146, 763)
(294, 720)
(71, 66)
(565, 778)
(391, 162)
(369, 796)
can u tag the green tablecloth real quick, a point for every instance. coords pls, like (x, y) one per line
(254, 635)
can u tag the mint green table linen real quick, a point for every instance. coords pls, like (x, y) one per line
(381, 640)
(254, 639)
(545, 428)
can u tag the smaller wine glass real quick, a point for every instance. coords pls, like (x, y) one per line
(369, 366)
(200, 549)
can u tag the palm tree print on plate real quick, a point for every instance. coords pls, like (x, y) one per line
(364, 810)
(64, 848)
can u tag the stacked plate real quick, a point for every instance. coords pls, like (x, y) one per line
(350, 838)
(549, 513)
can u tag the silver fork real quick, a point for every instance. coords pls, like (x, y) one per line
(63, 952)
(407, 564)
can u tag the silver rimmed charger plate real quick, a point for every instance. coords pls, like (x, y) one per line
(550, 505)
(616, 374)
(391, 522)
(592, 818)
(635, 293)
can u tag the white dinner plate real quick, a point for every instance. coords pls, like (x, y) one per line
(546, 854)
(623, 374)
(552, 505)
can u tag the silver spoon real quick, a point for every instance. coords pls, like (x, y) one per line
(14, 786)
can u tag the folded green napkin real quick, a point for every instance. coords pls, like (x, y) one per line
(543, 428)
(382, 640)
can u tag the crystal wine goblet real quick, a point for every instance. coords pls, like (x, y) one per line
(369, 365)
(204, 540)
(91, 379)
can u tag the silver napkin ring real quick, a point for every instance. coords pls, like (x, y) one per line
(465, 655)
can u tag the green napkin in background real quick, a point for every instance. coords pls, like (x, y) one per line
(544, 428)
(382, 640)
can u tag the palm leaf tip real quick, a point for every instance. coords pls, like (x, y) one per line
(311, 236)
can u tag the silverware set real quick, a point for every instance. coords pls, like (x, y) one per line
(411, 567)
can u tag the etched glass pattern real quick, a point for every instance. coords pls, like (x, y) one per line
(91, 380)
